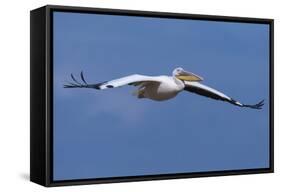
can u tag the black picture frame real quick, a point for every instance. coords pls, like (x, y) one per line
(41, 101)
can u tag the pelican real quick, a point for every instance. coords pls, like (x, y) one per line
(161, 88)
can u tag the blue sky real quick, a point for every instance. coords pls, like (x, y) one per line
(111, 133)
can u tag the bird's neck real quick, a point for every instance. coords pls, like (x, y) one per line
(179, 83)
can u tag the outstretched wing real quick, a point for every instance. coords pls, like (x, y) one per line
(128, 80)
(206, 91)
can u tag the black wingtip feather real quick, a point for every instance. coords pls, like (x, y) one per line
(82, 77)
(83, 84)
(75, 80)
(256, 106)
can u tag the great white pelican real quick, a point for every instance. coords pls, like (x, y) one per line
(160, 88)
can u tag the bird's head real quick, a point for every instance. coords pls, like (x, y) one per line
(183, 75)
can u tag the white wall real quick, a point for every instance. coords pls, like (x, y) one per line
(14, 102)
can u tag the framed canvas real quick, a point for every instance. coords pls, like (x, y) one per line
(122, 95)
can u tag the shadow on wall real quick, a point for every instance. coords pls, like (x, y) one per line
(24, 176)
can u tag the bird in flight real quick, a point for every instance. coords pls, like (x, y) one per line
(160, 88)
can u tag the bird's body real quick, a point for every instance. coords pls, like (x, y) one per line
(161, 88)
(168, 88)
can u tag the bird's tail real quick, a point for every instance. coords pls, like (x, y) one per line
(139, 93)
